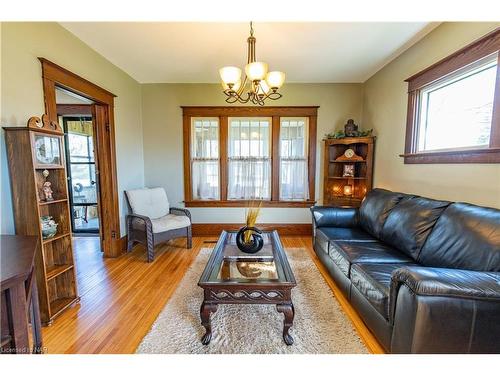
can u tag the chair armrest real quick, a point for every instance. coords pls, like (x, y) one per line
(180, 211)
(147, 221)
(341, 217)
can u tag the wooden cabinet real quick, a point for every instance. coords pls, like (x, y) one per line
(31, 151)
(348, 170)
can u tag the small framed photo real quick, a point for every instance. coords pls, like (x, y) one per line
(348, 170)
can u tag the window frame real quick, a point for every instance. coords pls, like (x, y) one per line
(224, 113)
(479, 49)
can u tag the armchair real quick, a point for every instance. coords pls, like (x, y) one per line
(153, 221)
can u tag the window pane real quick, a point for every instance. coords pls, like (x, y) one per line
(205, 176)
(205, 158)
(249, 162)
(457, 112)
(294, 181)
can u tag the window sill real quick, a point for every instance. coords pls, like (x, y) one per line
(215, 203)
(484, 155)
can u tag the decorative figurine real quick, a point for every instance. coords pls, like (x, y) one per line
(351, 129)
(46, 189)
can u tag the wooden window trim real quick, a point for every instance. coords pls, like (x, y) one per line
(487, 45)
(223, 113)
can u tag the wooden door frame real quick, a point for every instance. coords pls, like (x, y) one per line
(54, 76)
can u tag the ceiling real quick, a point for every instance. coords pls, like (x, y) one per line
(189, 52)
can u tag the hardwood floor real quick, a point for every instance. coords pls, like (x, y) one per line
(121, 297)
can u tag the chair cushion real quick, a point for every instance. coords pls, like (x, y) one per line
(465, 236)
(345, 234)
(376, 207)
(152, 203)
(169, 222)
(410, 222)
(344, 254)
(373, 281)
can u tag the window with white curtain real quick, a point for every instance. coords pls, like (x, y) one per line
(294, 174)
(205, 158)
(249, 158)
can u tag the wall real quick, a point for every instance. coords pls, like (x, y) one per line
(162, 125)
(385, 102)
(22, 97)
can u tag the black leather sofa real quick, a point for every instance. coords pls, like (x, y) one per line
(423, 274)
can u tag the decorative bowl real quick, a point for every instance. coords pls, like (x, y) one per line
(254, 245)
(49, 227)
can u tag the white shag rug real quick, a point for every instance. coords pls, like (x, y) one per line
(319, 327)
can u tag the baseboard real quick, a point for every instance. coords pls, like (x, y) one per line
(209, 229)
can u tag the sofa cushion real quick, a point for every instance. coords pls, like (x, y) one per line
(373, 281)
(465, 236)
(376, 207)
(410, 222)
(345, 234)
(152, 203)
(344, 254)
(321, 240)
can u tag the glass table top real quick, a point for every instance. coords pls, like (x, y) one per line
(228, 264)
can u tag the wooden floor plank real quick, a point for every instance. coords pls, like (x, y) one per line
(122, 297)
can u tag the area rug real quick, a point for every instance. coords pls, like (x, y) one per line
(320, 325)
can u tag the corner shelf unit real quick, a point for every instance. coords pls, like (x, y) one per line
(54, 262)
(341, 190)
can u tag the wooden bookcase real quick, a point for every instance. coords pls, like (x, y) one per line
(54, 263)
(347, 189)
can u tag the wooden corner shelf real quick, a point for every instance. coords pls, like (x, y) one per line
(340, 190)
(54, 261)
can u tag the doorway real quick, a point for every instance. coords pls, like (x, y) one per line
(81, 172)
(98, 104)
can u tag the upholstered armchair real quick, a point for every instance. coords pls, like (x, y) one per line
(153, 221)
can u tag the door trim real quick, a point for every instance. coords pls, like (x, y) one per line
(54, 76)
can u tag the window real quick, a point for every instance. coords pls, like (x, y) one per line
(249, 159)
(451, 108)
(294, 183)
(237, 154)
(205, 158)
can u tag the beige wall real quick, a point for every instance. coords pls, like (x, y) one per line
(22, 96)
(162, 125)
(385, 104)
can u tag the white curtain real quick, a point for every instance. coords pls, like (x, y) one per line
(294, 173)
(249, 164)
(205, 159)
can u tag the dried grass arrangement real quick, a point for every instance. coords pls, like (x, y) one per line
(252, 214)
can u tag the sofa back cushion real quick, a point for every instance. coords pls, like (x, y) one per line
(465, 236)
(375, 208)
(410, 222)
(152, 203)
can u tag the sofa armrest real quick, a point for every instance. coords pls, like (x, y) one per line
(447, 282)
(429, 306)
(341, 217)
(180, 211)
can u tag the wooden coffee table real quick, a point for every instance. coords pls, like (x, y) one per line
(233, 277)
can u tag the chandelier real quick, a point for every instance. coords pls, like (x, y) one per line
(261, 84)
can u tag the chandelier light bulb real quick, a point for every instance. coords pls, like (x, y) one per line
(275, 79)
(230, 75)
(256, 71)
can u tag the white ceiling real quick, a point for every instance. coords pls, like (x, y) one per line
(189, 52)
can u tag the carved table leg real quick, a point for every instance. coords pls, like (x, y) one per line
(289, 311)
(205, 310)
